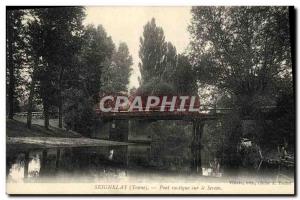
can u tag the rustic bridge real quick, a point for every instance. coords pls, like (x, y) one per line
(197, 118)
(160, 115)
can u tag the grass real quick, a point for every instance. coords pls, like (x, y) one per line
(20, 137)
(16, 128)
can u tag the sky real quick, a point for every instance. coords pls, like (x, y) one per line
(125, 24)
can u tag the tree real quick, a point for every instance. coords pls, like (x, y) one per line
(156, 87)
(244, 54)
(152, 51)
(116, 75)
(282, 127)
(169, 63)
(14, 56)
(161, 66)
(61, 30)
(184, 79)
(33, 49)
(241, 50)
(95, 55)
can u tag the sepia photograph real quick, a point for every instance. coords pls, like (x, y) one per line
(150, 100)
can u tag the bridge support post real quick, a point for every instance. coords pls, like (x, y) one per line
(119, 130)
(196, 145)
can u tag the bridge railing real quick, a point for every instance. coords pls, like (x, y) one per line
(38, 114)
(212, 108)
(206, 109)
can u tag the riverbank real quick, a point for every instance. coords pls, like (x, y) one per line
(17, 133)
(62, 142)
(16, 128)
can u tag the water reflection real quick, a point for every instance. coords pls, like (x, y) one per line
(89, 162)
(27, 165)
(92, 164)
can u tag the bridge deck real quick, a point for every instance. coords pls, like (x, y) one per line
(159, 115)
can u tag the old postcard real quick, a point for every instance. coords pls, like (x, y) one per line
(150, 100)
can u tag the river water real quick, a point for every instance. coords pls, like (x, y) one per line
(106, 163)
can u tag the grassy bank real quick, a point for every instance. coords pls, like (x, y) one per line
(19, 136)
(15, 128)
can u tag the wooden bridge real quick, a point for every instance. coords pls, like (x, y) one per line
(197, 118)
(203, 114)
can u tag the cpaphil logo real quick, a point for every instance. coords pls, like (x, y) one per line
(123, 103)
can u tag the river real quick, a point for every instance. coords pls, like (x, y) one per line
(108, 163)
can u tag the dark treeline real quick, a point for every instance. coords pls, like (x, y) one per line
(238, 57)
(243, 54)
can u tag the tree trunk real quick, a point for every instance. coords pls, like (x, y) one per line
(11, 90)
(60, 114)
(72, 122)
(10, 70)
(30, 103)
(46, 115)
(60, 101)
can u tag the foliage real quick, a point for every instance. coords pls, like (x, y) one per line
(67, 64)
(97, 50)
(152, 51)
(161, 65)
(79, 112)
(60, 32)
(219, 139)
(184, 79)
(244, 54)
(156, 87)
(116, 75)
(15, 57)
(54, 38)
(242, 50)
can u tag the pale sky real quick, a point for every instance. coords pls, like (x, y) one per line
(125, 24)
